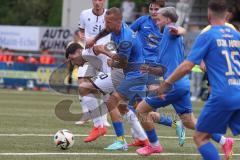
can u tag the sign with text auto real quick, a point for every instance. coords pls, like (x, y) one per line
(25, 38)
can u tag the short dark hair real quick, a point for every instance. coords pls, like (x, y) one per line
(161, 3)
(114, 11)
(72, 47)
(218, 6)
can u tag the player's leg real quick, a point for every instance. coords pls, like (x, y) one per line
(83, 76)
(184, 109)
(88, 91)
(139, 135)
(214, 121)
(143, 110)
(120, 97)
(205, 147)
(113, 102)
(104, 84)
(171, 97)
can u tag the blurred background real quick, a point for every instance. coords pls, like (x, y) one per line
(33, 34)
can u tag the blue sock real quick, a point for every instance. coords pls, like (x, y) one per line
(216, 137)
(152, 136)
(118, 127)
(165, 120)
(209, 152)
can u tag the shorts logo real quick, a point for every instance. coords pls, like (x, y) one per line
(125, 45)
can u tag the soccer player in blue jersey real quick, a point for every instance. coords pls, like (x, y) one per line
(219, 48)
(171, 55)
(148, 31)
(128, 55)
(150, 36)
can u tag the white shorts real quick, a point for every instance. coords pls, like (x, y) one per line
(103, 82)
(107, 82)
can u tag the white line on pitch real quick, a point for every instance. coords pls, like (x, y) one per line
(84, 135)
(100, 154)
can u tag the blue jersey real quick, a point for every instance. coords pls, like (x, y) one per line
(219, 48)
(171, 55)
(128, 46)
(149, 35)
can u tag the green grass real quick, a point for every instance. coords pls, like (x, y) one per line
(27, 112)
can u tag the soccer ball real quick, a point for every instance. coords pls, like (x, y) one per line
(64, 139)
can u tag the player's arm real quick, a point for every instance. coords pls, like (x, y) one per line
(180, 72)
(92, 41)
(199, 51)
(158, 70)
(177, 31)
(101, 49)
(117, 61)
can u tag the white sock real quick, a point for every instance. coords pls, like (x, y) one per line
(84, 107)
(135, 125)
(155, 144)
(104, 111)
(92, 104)
(222, 140)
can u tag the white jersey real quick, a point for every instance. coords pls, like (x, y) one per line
(93, 60)
(105, 80)
(92, 25)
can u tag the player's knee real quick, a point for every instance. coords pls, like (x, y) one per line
(189, 124)
(154, 116)
(196, 139)
(188, 121)
(112, 102)
(141, 110)
(123, 109)
(201, 138)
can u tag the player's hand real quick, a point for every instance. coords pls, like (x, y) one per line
(163, 88)
(98, 49)
(90, 42)
(144, 68)
(173, 30)
(116, 57)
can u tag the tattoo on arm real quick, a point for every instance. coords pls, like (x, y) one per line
(101, 34)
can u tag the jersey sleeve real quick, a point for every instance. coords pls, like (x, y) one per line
(200, 49)
(81, 23)
(135, 26)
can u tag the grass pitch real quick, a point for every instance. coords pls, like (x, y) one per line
(28, 122)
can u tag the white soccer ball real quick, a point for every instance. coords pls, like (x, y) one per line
(64, 139)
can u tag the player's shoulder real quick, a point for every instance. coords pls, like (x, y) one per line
(230, 25)
(141, 19)
(144, 18)
(209, 27)
(128, 31)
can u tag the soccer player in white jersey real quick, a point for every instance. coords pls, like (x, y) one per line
(90, 24)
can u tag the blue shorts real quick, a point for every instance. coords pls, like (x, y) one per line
(133, 89)
(179, 98)
(153, 79)
(217, 121)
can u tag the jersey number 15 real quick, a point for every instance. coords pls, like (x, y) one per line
(233, 64)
